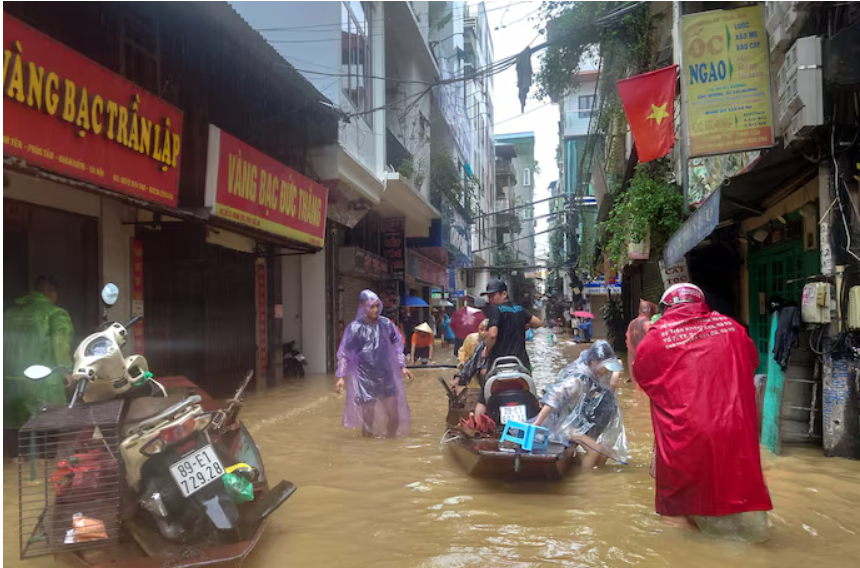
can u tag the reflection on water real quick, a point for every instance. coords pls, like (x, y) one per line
(406, 503)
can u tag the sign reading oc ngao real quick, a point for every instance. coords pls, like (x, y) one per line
(69, 115)
(726, 81)
(248, 187)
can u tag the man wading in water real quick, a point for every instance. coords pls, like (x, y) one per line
(371, 366)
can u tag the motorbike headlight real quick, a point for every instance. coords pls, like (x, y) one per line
(99, 347)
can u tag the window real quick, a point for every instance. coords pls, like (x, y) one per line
(527, 176)
(356, 55)
(586, 103)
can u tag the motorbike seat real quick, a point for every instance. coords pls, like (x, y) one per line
(146, 407)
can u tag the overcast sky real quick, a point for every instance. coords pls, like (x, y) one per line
(515, 32)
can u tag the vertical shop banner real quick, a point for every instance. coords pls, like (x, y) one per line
(245, 186)
(394, 245)
(137, 294)
(726, 83)
(69, 115)
(262, 323)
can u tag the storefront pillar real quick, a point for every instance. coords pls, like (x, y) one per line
(314, 311)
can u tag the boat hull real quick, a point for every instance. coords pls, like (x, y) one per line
(482, 458)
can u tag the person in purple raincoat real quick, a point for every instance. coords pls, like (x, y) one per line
(371, 366)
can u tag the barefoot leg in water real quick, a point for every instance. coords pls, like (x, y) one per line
(393, 415)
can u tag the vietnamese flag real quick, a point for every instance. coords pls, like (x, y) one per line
(649, 102)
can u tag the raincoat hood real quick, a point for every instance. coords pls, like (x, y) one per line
(365, 301)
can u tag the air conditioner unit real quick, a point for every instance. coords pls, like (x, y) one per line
(800, 106)
(854, 308)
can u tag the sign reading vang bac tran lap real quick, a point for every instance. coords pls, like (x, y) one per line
(69, 115)
(245, 186)
(726, 82)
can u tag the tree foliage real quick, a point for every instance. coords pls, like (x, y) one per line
(652, 202)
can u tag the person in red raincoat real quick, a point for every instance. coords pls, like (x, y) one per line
(637, 329)
(697, 368)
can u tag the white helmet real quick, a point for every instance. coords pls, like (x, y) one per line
(681, 294)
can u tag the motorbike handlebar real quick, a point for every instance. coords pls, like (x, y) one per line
(133, 321)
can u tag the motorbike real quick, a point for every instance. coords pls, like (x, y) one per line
(191, 473)
(510, 395)
(294, 362)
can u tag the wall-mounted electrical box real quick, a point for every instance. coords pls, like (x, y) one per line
(854, 308)
(815, 305)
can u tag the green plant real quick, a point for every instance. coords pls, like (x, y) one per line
(652, 202)
(504, 257)
(446, 187)
(406, 168)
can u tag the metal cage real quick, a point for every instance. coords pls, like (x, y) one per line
(69, 464)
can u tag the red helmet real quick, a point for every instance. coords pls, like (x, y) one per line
(682, 294)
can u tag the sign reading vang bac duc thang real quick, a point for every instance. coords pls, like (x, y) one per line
(245, 186)
(69, 115)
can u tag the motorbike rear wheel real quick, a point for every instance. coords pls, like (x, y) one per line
(293, 369)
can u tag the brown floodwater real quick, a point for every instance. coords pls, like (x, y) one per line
(406, 503)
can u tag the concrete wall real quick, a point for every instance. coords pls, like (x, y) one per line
(308, 35)
(291, 283)
(574, 125)
(314, 309)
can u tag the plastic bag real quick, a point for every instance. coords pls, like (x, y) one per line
(85, 529)
(241, 490)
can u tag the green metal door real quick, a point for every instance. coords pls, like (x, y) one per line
(776, 270)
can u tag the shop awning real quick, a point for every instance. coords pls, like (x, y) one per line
(772, 176)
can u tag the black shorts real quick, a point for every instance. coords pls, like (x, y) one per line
(422, 353)
(601, 415)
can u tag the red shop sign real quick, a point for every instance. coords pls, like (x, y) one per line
(69, 115)
(248, 187)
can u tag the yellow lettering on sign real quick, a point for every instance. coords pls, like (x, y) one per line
(176, 145)
(83, 119)
(98, 109)
(156, 148)
(165, 148)
(122, 127)
(16, 84)
(231, 170)
(145, 136)
(133, 140)
(35, 86)
(7, 55)
(112, 110)
(69, 101)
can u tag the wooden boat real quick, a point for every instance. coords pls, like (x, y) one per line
(484, 458)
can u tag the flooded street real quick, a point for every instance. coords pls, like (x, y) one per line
(406, 503)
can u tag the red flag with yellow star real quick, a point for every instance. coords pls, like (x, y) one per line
(649, 102)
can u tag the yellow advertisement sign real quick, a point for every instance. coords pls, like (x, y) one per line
(726, 84)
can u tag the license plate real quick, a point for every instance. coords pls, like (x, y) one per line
(515, 413)
(195, 471)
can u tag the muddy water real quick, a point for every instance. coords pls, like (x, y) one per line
(406, 503)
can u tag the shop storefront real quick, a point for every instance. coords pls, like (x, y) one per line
(84, 150)
(215, 288)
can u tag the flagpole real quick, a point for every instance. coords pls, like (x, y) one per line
(677, 55)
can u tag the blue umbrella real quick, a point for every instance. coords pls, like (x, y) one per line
(413, 302)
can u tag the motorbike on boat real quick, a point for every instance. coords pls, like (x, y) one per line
(510, 395)
(140, 469)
